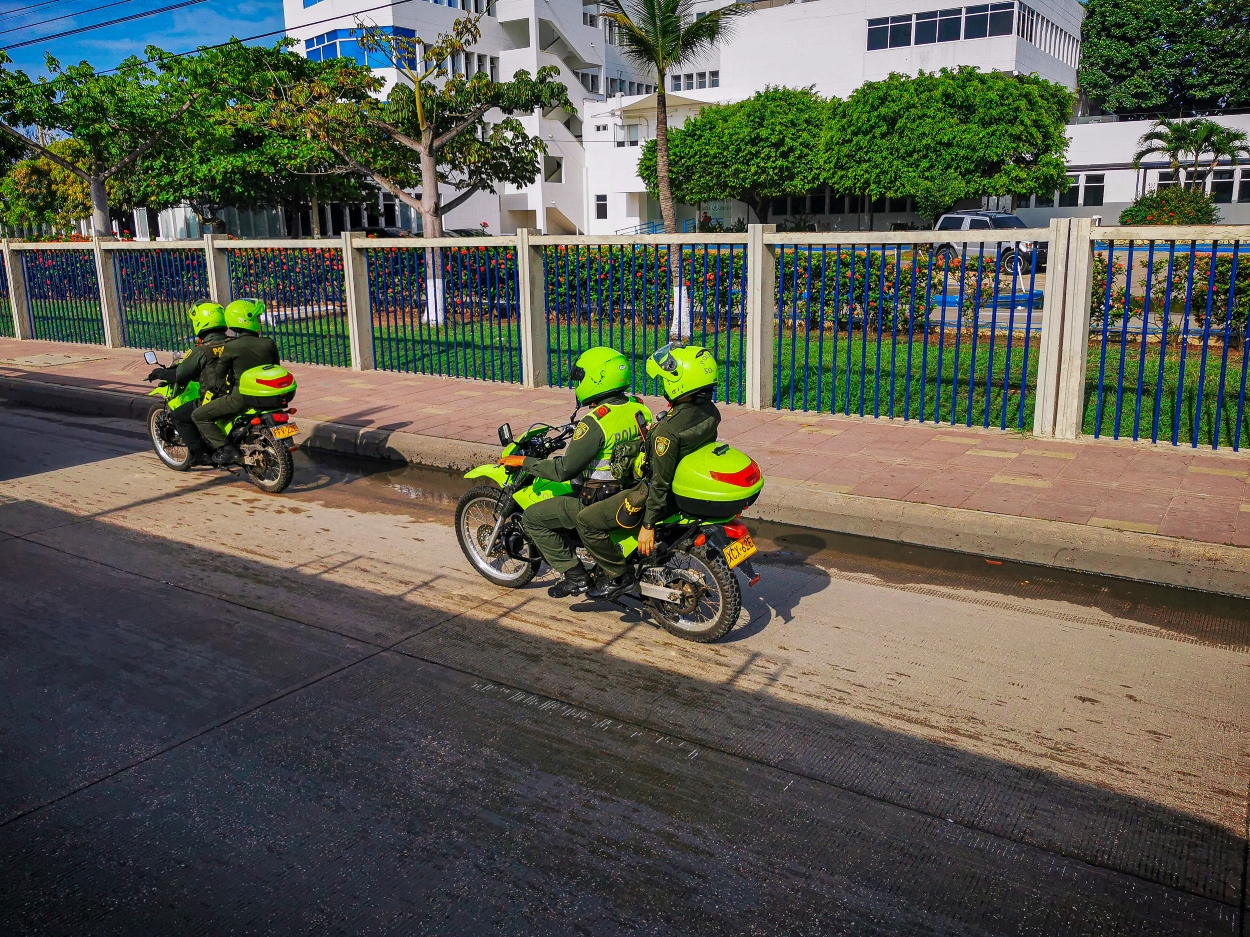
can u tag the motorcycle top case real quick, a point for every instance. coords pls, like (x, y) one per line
(268, 380)
(717, 481)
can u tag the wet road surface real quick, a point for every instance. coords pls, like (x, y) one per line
(228, 712)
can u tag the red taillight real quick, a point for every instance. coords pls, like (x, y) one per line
(743, 478)
(736, 530)
(280, 418)
(256, 421)
(291, 410)
(276, 382)
(700, 540)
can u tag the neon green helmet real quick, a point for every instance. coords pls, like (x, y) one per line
(205, 316)
(245, 314)
(682, 369)
(599, 372)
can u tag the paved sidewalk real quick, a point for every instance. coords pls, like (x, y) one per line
(1195, 495)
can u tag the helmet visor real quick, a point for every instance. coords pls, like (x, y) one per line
(663, 357)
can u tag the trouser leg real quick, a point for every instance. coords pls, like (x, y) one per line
(206, 417)
(597, 523)
(545, 523)
(182, 420)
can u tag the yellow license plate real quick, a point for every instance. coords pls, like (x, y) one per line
(282, 432)
(739, 551)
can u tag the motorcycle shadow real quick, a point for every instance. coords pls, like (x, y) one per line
(785, 581)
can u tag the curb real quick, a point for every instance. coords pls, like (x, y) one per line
(1208, 567)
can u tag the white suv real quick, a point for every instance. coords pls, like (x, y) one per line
(1015, 255)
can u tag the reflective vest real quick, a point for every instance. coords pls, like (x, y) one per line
(619, 423)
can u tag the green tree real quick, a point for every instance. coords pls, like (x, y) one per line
(1189, 141)
(1165, 55)
(661, 36)
(39, 193)
(751, 151)
(948, 136)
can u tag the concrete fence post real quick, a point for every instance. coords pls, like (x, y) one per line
(110, 298)
(217, 269)
(532, 296)
(359, 313)
(761, 312)
(16, 278)
(1064, 352)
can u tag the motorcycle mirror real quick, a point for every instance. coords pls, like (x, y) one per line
(177, 357)
(505, 435)
(149, 357)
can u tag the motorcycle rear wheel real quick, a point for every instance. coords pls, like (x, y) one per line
(713, 601)
(268, 463)
(476, 516)
(160, 427)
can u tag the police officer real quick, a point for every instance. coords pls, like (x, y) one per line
(600, 376)
(208, 321)
(247, 349)
(687, 376)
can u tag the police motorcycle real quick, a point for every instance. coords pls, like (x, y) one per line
(688, 582)
(261, 433)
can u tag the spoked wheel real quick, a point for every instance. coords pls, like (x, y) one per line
(166, 441)
(268, 463)
(476, 516)
(711, 599)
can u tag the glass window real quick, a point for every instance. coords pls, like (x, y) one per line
(1070, 197)
(837, 204)
(631, 132)
(1008, 221)
(879, 205)
(494, 64)
(879, 34)
(713, 79)
(816, 203)
(926, 28)
(1002, 16)
(677, 82)
(950, 24)
(900, 31)
(1094, 185)
(1166, 178)
(1222, 186)
(601, 207)
(1243, 191)
(779, 205)
(977, 22)
(798, 204)
(951, 223)
(976, 224)
(701, 79)
(689, 81)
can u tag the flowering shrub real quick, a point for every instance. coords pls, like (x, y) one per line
(1171, 205)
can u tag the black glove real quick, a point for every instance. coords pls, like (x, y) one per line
(163, 374)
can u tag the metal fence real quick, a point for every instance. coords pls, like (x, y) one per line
(637, 297)
(303, 291)
(463, 323)
(1168, 357)
(156, 289)
(63, 295)
(6, 306)
(917, 330)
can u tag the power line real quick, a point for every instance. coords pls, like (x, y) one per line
(87, 29)
(9, 14)
(64, 16)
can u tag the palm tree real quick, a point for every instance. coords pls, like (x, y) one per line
(1218, 142)
(1176, 139)
(660, 36)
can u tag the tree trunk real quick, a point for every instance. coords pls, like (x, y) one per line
(315, 211)
(101, 223)
(431, 221)
(661, 159)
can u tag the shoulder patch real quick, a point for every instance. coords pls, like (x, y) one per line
(217, 349)
(661, 445)
(603, 411)
(582, 430)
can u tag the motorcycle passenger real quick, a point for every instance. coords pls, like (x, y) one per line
(602, 376)
(208, 321)
(247, 349)
(687, 376)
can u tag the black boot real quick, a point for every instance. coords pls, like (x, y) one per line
(226, 455)
(574, 582)
(199, 456)
(610, 587)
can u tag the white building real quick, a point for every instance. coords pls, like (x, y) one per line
(589, 181)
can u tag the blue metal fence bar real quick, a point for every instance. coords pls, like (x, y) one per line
(1227, 340)
(63, 295)
(6, 306)
(156, 289)
(1180, 380)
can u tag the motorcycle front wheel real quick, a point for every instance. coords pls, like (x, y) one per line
(711, 598)
(476, 516)
(268, 463)
(166, 441)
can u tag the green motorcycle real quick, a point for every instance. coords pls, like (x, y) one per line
(260, 433)
(688, 581)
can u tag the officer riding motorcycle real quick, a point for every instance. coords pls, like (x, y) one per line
(208, 322)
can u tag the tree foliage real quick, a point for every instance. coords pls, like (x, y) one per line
(38, 193)
(1171, 205)
(942, 137)
(1165, 55)
(751, 151)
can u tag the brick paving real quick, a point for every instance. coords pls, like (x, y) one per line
(1176, 492)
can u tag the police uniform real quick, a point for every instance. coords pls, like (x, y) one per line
(679, 432)
(587, 462)
(199, 365)
(239, 354)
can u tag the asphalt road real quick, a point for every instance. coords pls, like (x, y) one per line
(228, 712)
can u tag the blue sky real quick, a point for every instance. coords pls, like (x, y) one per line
(177, 30)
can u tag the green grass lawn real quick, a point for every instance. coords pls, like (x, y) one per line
(71, 320)
(6, 319)
(488, 351)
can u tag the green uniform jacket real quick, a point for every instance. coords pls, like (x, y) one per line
(584, 450)
(677, 433)
(244, 352)
(205, 354)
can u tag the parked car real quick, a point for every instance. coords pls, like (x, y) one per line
(1015, 255)
(466, 233)
(386, 232)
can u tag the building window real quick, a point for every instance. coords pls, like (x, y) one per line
(1002, 19)
(713, 79)
(1070, 197)
(1222, 186)
(798, 205)
(701, 80)
(1094, 186)
(677, 82)
(1044, 200)
(879, 34)
(977, 21)
(1243, 191)
(627, 134)
(611, 30)
(926, 28)
(601, 128)
(780, 205)
(494, 67)
(1166, 178)
(589, 19)
(689, 81)
(816, 203)
(900, 31)
(601, 207)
